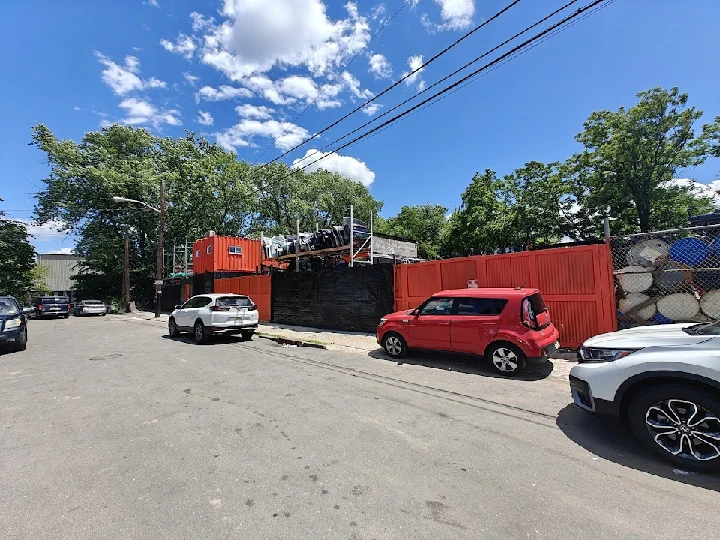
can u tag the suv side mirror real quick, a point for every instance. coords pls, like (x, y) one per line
(178, 307)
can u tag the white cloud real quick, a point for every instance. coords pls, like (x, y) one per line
(456, 15)
(378, 14)
(371, 109)
(346, 166)
(254, 111)
(124, 79)
(141, 112)
(47, 232)
(352, 84)
(295, 86)
(205, 118)
(379, 66)
(223, 93)
(285, 134)
(184, 46)
(153, 3)
(711, 190)
(414, 63)
(76, 108)
(61, 251)
(200, 22)
(258, 35)
(190, 78)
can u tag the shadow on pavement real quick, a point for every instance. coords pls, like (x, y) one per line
(216, 340)
(463, 363)
(610, 439)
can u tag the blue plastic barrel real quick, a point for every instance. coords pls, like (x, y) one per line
(690, 251)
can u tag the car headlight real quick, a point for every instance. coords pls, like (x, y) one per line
(12, 323)
(382, 321)
(591, 354)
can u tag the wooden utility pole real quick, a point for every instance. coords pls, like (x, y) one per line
(160, 249)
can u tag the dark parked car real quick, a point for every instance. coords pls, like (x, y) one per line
(90, 307)
(52, 306)
(13, 325)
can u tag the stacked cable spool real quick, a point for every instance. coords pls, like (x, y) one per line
(665, 283)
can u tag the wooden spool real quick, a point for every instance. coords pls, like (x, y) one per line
(632, 301)
(679, 307)
(634, 279)
(710, 304)
(648, 253)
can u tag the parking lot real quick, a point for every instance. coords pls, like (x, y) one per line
(112, 430)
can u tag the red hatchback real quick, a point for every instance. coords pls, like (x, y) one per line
(506, 326)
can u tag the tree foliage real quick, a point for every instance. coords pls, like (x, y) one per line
(206, 189)
(18, 259)
(424, 223)
(631, 156)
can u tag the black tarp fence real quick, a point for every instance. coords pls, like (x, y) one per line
(352, 299)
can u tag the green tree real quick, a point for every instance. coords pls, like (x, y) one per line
(632, 154)
(535, 201)
(480, 224)
(424, 223)
(18, 258)
(38, 280)
(206, 188)
(320, 197)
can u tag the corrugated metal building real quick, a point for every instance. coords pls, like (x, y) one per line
(61, 268)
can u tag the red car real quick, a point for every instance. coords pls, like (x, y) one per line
(506, 326)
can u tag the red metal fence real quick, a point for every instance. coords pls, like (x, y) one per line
(256, 287)
(576, 282)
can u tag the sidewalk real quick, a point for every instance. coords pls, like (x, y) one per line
(357, 342)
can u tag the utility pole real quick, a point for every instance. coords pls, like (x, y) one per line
(126, 275)
(160, 251)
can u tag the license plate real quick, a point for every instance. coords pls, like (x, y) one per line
(54, 309)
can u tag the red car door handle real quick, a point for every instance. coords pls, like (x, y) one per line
(444, 323)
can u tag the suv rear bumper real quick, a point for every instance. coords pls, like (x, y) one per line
(49, 313)
(583, 398)
(234, 328)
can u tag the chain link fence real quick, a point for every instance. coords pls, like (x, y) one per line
(667, 276)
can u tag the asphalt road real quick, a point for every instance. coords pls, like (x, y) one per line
(108, 429)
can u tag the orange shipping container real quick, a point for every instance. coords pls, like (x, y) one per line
(226, 254)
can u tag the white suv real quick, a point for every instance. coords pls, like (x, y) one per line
(664, 381)
(209, 314)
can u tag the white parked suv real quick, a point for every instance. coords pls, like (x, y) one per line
(208, 314)
(664, 381)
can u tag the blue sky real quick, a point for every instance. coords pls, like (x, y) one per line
(240, 71)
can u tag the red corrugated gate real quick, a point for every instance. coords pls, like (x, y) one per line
(576, 282)
(256, 287)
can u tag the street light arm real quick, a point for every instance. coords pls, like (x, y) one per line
(126, 200)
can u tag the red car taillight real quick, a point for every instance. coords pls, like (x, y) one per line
(39, 307)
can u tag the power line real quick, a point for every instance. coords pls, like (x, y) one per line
(326, 86)
(438, 55)
(375, 119)
(465, 79)
(505, 61)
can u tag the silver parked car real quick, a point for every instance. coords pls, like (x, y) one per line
(91, 307)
